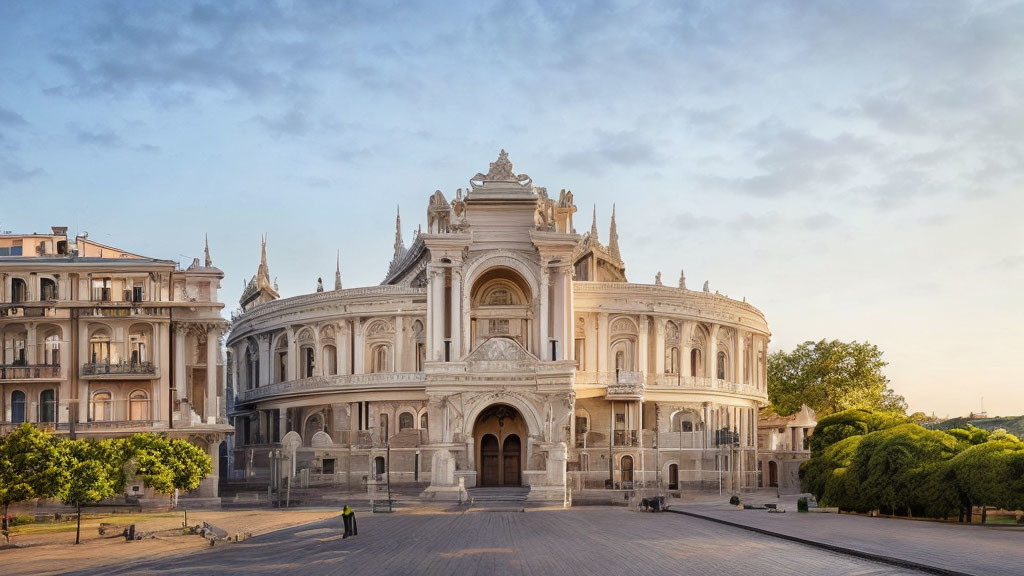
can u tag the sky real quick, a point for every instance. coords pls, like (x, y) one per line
(854, 169)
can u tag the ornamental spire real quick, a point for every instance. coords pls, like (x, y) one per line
(206, 250)
(399, 243)
(263, 272)
(337, 272)
(613, 237)
(593, 226)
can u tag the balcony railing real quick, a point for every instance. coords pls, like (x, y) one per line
(121, 368)
(625, 438)
(329, 383)
(10, 372)
(623, 380)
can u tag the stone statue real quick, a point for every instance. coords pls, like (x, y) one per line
(657, 279)
(682, 279)
(319, 284)
(706, 288)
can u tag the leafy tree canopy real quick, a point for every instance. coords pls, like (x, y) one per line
(831, 376)
(29, 466)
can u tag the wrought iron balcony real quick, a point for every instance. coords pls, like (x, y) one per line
(29, 372)
(119, 369)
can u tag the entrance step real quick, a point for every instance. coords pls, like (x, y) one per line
(504, 499)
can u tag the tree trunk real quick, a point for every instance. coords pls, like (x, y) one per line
(984, 513)
(7, 535)
(78, 529)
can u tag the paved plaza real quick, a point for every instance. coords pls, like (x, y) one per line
(970, 549)
(583, 541)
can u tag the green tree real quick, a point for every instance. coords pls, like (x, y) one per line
(855, 422)
(830, 376)
(988, 474)
(29, 466)
(89, 478)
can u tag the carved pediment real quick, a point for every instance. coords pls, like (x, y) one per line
(500, 349)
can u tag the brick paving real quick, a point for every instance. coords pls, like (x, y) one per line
(536, 542)
(967, 549)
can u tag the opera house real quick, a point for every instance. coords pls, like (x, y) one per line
(502, 348)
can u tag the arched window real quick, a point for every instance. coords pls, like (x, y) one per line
(381, 357)
(102, 407)
(19, 290)
(694, 361)
(423, 421)
(308, 361)
(47, 289)
(138, 405)
(99, 347)
(330, 360)
(47, 406)
(721, 365)
(405, 421)
(17, 407)
(51, 350)
(672, 361)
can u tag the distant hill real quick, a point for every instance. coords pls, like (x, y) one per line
(1012, 424)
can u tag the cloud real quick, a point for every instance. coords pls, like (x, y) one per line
(11, 119)
(12, 171)
(101, 136)
(618, 149)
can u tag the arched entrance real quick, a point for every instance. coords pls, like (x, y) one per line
(626, 471)
(773, 474)
(673, 477)
(499, 431)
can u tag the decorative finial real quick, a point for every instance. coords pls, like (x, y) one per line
(320, 284)
(399, 243)
(206, 250)
(613, 238)
(657, 279)
(593, 226)
(682, 279)
(706, 288)
(337, 272)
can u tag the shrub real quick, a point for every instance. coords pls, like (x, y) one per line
(22, 519)
(735, 500)
(801, 505)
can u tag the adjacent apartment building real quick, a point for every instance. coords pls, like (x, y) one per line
(101, 342)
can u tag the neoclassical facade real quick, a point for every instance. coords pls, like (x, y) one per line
(501, 349)
(96, 341)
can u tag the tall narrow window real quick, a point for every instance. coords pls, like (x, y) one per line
(51, 350)
(694, 360)
(721, 365)
(17, 407)
(101, 289)
(405, 421)
(47, 289)
(102, 407)
(19, 290)
(138, 405)
(47, 406)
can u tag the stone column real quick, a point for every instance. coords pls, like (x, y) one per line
(83, 358)
(398, 364)
(358, 354)
(179, 362)
(711, 362)
(659, 346)
(266, 364)
(31, 353)
(545, 314)
(292, 371)
(644, 346)
(344, 348)
(602, 342)
(741, 355)
(212, 354)
(456, 305)
(436, 302)
(558, 331)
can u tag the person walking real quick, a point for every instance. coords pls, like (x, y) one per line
(349, 518)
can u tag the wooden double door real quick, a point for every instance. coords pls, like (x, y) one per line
(500, 463)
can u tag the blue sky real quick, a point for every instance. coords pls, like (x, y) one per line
(855, 170)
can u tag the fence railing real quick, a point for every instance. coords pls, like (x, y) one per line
(11, 372)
